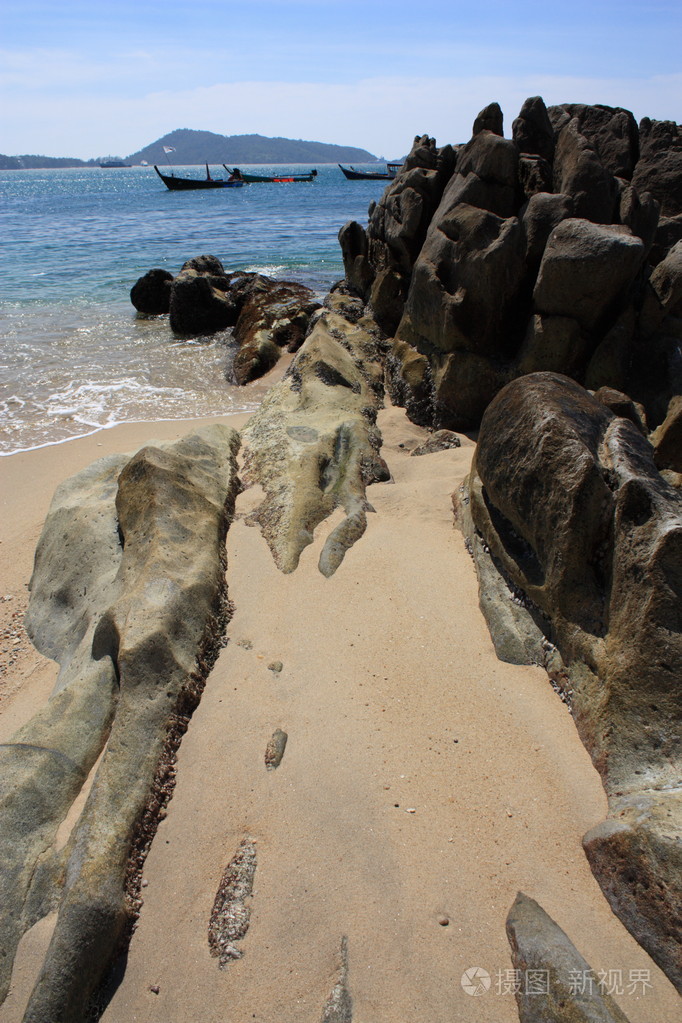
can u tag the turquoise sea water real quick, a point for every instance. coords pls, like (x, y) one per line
(74, 356)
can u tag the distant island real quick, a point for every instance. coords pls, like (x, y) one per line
(196, 147)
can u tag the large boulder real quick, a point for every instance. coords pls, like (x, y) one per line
(128, 593)
(580, 523)
(151, 293)
(586, 272)
(462, 309)
(274, 318)
(659, 168)
(532, 130)
(612, 131)
(579, 172)
(557, 984)
(201, 304)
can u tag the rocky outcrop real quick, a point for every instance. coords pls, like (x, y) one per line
(268, 316)
(313, 444)
(469, 316)
(378, 268)
(274, 318)
(557, 985)
(659, 168)
(568, 510)
(128, 594)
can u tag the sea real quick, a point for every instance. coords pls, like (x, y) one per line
(75, 357)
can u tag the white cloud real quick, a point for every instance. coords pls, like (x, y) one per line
(378, 114)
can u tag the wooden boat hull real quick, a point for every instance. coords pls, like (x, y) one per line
(193, 184)
(251, 179)
(354, 175)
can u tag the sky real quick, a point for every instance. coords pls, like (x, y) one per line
(86, 79)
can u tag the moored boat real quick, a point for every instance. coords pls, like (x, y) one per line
(355, 175)
(177, 184)
(251, 179)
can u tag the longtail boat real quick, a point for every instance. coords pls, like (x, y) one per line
(186, 184)
(251, 179)
(355, 175)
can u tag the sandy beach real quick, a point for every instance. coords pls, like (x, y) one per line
(424, 782)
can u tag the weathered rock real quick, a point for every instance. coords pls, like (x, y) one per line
(554, 343)
(204, 265)
(274, 316)
(409, 382)
(667, 438)
(579, 172)
(668, 232)
(151, 293)
(313, 444)
(143, 588)
(197, 306)
(640, 213)
(535, 175)
(489, 119)
(586, 272)
(355, 253)
(613, 133)
(398, 223)
(532, 130)
(486, 176)
(635, 855)
(568, 500)
(659, 168)
(543, 953)
(621, 405)
(440, 440)
(462, 308)
(541, 214)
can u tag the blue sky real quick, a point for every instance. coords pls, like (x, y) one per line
(88, 79)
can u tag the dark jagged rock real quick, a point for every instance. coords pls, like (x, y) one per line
(579, 172)
(198, 306)
(151, 293)
(532, 130)
(612, 131)
(204, 265)
(398, 224)
(667, 438)
(569, 502)
(621, 405)
(540, 949)
(659, 168)
(586, 271)
(131, 601)
(489, 119)
(354, 249)
(541, 214)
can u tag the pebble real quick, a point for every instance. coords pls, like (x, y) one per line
(411, 809)
(154, 988)
(443, 920)
(276, 666)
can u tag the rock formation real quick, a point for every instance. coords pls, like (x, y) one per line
(313, 444)
(459, 255)
(268, 316)
(557, 985)
(128, 593)
(569, 511)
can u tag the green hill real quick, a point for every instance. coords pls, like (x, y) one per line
(206, 147)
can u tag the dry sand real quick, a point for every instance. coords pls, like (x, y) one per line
(423, 779)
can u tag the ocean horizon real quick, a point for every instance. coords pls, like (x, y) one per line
(75, 357)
